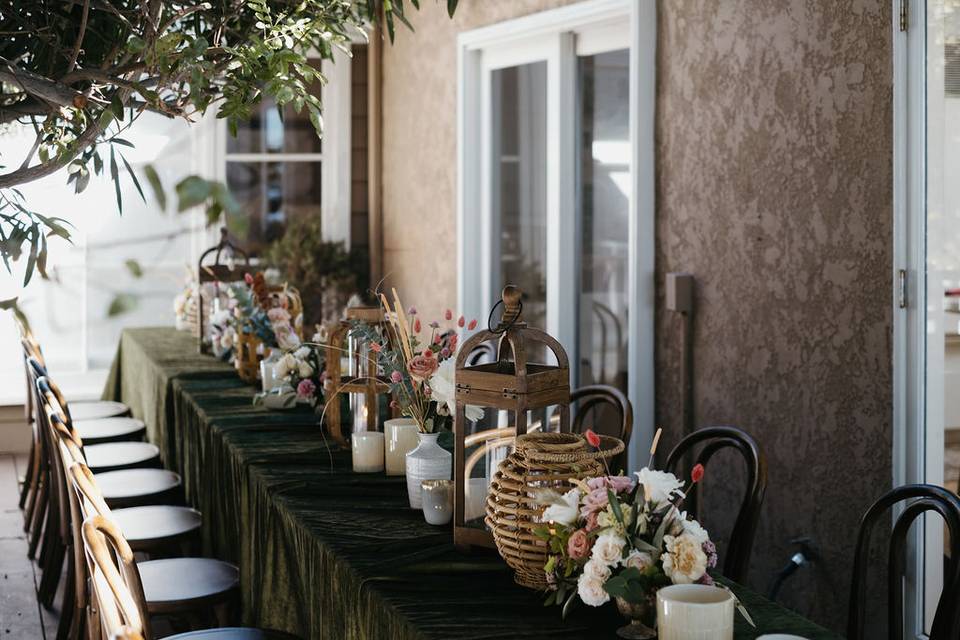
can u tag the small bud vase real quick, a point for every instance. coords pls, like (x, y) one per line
(429, 461)
(638, 616)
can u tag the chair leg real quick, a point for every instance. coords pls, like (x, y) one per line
(68, 608)
(37, 518)
(52, 570)
(31, 507)
(29, 478)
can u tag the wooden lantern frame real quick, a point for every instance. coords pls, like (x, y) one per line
(339, 384)
(216, 272)
(514, 385)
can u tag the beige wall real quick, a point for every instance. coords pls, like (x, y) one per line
(774, 189)
(420, 145)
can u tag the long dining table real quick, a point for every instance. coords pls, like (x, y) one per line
(324, 552)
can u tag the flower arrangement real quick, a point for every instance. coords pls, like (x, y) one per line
(302, 369)
(418, 360)
(624, 538)
(251, 309)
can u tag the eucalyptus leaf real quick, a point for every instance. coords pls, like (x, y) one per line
(121, 303)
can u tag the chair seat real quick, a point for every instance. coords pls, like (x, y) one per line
(112, 456)
(233, 633)
(154, 525)
(99, 430)
(135, 487)
(179, 584)
(94, 409)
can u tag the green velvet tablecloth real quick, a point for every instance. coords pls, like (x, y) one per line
(323, 552)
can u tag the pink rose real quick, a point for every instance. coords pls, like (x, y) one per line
(306, 389)
(591, 521)
(596, 500)
(422, 367)
(396, 377)
(578, 546)
(448, 314)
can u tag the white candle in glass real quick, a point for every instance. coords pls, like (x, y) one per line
(367, 451)
(400, 437)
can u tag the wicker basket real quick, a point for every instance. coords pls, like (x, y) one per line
(541, 461)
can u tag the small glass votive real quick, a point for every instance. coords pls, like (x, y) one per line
(401, 438)
(437, 501)
(367, 449)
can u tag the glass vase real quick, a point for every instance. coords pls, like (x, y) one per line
(641, 617)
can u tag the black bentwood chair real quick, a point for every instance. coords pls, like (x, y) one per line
(923, 498)
(715, 439)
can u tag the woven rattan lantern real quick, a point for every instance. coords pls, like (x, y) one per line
(215, 273)
(512, 386)
(541, 461)
(360, 381)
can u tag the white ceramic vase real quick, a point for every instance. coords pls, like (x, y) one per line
(429, 461)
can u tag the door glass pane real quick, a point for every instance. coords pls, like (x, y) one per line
(270, 194)
(942, 421)
(604, 190)
(518, 184)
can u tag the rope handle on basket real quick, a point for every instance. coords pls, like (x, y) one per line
(609, 447)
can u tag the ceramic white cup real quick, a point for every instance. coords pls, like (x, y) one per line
(437, 498)
(694, 612)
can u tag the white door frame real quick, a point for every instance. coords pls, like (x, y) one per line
(917, 450)
(553, 36)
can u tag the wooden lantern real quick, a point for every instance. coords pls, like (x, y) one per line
(216, 272)
(509, 383)
(360, 381)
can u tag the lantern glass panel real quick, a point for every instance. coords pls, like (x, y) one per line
(358, 353)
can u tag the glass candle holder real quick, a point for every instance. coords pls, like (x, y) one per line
(437, 501)
(367, 447)
(400, 438)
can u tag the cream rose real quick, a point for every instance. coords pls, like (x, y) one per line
(608, 549)
(684, 561)
(590, 584)
(639, 560)
(658, 486)
(304, 369)
(694, 528)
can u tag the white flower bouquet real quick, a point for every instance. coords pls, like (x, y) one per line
(616, 537)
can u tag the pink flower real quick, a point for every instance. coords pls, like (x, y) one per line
(592, 438)
(460, 322)
(423, 366)
(445, 352)
(434, 325)
(596, 500)
(437, 339)
(697, 474)
(472, 325)
(394, 404)
(306, 389)
(448, 314)
(619, 484)
(248, 278)
(592, 520)
(578, 546)
(452, 343)
(376, 347)
(416, 326)
(412, 311)
(396, 377)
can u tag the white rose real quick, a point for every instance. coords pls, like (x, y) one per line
(658, 486)
(608, 548)
(639, 560)
(590, 584)
(444, 390)
(565, 513)
(304, 369)
(684, 561)
(285, 366)
(694, 528)
(302, 352)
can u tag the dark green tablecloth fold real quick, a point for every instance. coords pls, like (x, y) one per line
(324, 552)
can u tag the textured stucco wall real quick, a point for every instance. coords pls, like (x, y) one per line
(774, 174)
(774, 181)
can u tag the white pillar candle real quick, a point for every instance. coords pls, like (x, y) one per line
(367, 451)
(400, 438)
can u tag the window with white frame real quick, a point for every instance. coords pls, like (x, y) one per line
(556, 183)
(278, 169)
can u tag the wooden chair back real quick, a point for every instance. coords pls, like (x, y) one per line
(714, 439)
(115, 582)
(920, 498)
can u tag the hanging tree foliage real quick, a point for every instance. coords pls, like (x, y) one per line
(80, 73)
